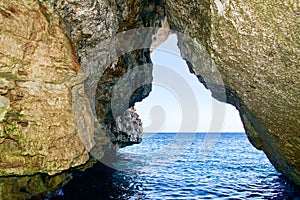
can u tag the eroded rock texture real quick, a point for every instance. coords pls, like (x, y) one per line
(49, 116)
(93, 26)
(256, 47)
(38, 67)
(30, 187)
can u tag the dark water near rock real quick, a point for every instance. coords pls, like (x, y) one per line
(183, 166)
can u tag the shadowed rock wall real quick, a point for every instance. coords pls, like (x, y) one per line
(256, 46)
(52, 58)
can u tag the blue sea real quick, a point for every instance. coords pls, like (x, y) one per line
(183, 166)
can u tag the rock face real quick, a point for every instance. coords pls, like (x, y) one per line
(256, 47)
(128, 133)
(30, 187)
(52, 112)
(92, 27)
(50, 116)
(38, 69)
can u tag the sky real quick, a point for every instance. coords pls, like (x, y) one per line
(178, 102)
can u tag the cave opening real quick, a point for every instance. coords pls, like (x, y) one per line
(208, 157)
(175, 88)
(187, 149)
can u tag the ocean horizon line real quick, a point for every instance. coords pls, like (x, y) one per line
(191, 132)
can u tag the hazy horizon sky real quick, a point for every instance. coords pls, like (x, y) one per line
(178, 102)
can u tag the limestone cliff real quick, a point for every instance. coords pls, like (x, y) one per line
(38, 67)
(52, 112)
(256, 46)
(53, 62)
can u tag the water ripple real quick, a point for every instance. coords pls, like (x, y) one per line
(233, 169)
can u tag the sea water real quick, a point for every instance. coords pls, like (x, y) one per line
(185, 166)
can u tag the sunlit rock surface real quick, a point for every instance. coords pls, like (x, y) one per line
(38, 68)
